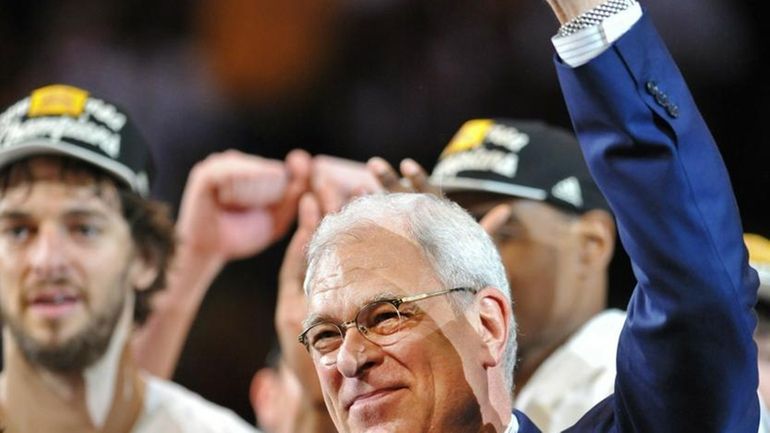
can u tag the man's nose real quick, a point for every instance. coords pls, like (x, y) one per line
(47, 254)
(356, 354)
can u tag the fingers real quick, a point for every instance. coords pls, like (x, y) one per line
(293, 268)
(337, 180)
(330, 197)
(309, 213)
(298, 164)
(496, 218)
(386, 175)
(239, 180)
(291, 306)
(417, 177)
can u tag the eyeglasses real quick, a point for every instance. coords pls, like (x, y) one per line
(378, 321)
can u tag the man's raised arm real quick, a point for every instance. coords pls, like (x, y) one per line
(686, 360)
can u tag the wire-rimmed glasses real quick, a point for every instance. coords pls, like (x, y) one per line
(379, 322)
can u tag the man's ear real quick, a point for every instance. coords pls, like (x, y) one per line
(597, 236)
(263, 395)
(494, 310)
(143, 272)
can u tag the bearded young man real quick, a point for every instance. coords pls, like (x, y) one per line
(81, 247)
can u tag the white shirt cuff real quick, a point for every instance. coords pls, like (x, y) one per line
(584, 45)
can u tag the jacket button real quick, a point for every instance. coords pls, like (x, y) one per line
(672, 110)
(652, 87)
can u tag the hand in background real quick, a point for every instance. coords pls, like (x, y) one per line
(413, 177)
(234, 205)
(336, 180)
(291, 307)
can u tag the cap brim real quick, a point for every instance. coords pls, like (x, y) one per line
(49, 147)
(449, 185)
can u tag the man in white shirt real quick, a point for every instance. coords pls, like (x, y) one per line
(759, 258)
(81, 246)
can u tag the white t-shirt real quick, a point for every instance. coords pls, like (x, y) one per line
(170, 408)
(576, 377)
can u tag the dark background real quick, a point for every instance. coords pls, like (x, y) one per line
(354, 78)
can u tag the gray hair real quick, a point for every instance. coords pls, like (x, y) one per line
(459, 250)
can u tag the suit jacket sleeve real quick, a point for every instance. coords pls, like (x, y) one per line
(686, 358)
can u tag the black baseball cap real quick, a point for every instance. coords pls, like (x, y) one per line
(65, 120)
(518, 158)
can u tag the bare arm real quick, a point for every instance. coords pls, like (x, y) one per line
(291, 309)
(234, 205)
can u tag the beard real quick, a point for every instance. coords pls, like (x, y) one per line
(76, 353)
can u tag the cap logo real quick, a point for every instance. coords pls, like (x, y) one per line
(568, 190)
(60, 113)
(507, 137)
(470, 135)
(482, 159)
(466, 153)
(57, 100)
(64, 120)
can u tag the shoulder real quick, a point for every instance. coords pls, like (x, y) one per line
(170, 407)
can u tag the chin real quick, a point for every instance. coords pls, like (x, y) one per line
(403, 425)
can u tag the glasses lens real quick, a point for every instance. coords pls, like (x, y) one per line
(324, 338)
(380, 321)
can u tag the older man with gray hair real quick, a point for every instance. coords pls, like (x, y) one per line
(409, 324)
(424, 287)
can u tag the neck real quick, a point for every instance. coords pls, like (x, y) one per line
(533, 354)
(84, 401)
(496, 412)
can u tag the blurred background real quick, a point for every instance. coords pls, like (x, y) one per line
(353, 78)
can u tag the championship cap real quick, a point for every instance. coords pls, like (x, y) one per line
(759, 259)
(518, 158)
(65, 120)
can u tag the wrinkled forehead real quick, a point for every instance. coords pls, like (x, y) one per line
(367, 262)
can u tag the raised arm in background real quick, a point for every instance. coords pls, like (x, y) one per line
(234, 205)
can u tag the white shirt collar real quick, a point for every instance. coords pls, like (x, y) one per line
(513, 427)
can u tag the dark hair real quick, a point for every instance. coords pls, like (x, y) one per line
(153, 233)
(149, 221)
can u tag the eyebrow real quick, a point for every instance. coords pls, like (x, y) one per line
(85, 213)
(316, 318)
(14, 215)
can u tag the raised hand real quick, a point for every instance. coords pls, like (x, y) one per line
(413, 177)
(336, 180)
(291, 307)
(235, 205)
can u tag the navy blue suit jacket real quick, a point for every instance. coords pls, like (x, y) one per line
(686, 358)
